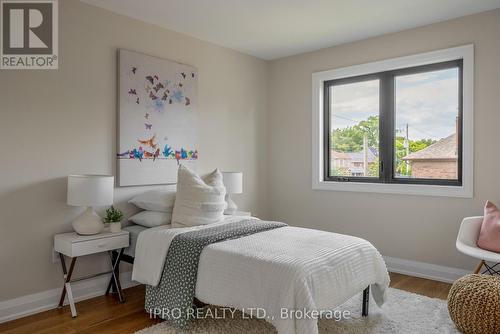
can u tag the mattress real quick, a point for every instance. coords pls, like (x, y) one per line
(134, 231)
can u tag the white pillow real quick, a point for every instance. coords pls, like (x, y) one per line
(151, 218)
(199, 201)
(155, 200)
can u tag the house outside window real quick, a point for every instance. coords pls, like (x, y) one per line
(438, 160)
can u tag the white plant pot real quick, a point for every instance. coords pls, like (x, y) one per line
(115, 227)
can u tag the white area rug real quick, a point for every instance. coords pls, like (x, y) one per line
(404, 312)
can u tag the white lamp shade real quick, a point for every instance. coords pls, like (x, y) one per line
(90, 190)
(233, 181)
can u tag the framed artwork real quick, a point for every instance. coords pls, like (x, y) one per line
(157, 119)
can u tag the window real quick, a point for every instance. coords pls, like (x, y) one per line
(396, 125)
(419, 138)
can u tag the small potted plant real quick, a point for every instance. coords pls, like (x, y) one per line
(113, 218)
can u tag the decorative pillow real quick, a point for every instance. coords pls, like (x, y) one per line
(151, 218)
(155, 200)
(199, 201)
(489, 237)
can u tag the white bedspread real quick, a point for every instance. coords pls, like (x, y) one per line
(289, 267)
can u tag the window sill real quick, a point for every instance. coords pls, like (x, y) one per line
(463, 191)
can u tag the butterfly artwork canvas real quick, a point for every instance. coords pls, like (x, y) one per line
(158, 117)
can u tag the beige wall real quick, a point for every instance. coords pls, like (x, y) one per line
(53, 123)
(420, 228)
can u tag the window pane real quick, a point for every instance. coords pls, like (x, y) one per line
(426, 112)
(354, 125)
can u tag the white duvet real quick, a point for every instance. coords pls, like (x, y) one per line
(289, 267)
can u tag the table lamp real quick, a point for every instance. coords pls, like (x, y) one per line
(233, 181)
(89, 191)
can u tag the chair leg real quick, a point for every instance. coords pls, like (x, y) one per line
(478, 267)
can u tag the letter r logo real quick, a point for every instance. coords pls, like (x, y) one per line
(27, 27)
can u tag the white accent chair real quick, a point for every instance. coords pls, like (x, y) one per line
(467, 244)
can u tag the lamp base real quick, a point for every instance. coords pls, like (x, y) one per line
(231, 206)
(88, 223)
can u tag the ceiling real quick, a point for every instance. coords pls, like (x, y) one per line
(271, 29)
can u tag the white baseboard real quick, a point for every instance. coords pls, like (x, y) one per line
(424, 270)
(38, 302)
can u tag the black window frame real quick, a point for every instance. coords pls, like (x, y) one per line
(387, 116)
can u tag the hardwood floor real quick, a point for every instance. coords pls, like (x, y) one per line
(426, 287)
(104, 315)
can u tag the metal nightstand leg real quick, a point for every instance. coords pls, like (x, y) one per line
(67, 285)
(71, 300)
(115, 275)
(114, 281)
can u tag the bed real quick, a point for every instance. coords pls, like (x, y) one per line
(289, 267)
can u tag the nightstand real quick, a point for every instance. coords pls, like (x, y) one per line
(74, 245)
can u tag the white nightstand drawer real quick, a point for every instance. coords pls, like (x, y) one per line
(100, 245)
(71, 244)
